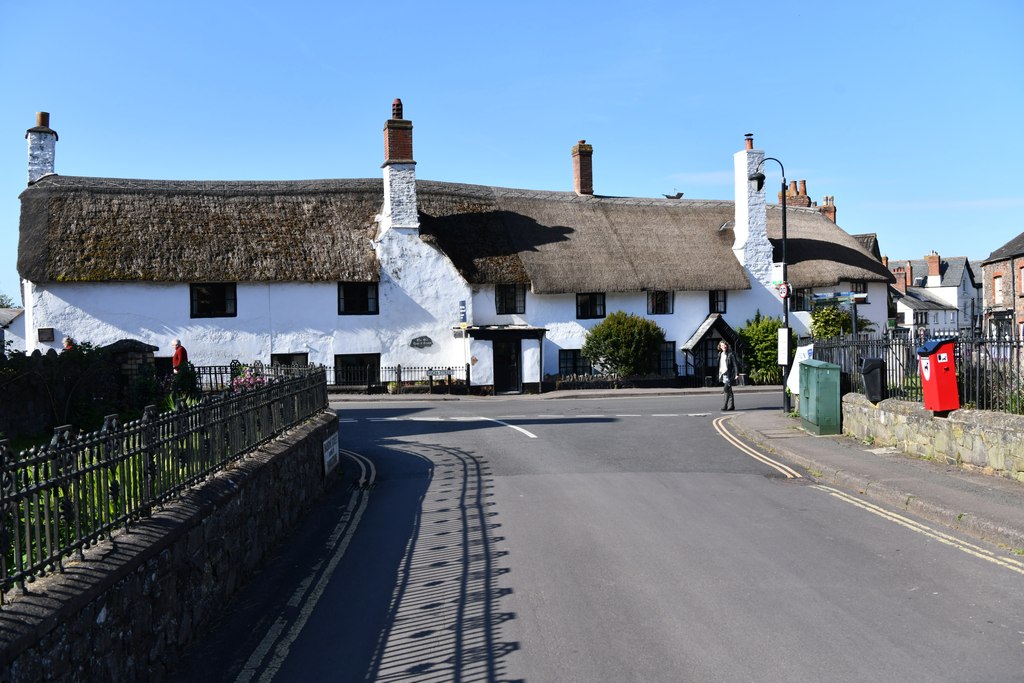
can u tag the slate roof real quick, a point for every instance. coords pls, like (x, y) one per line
(9, 315)
(920, 299)
(103, 229)
(951, 269)
(1014, 247)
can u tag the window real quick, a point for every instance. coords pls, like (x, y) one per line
(357, 369)
(659, 302)
(997, 290)
(590, 305)
(214, 300)
(572, 362)
(802, 299)
(859, 287)
(510, 299)
(667, 360)
(716, 301)
(289, 359)
(1020, 282)
(357, 298)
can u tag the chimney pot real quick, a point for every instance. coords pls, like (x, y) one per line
(748, 140)
(396, 109)
(43, 119)
(803, 188)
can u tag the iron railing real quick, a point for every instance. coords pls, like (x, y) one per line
(398, 378)
(58, 500)
(990, 371)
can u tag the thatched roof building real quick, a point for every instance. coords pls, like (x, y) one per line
(77, 229)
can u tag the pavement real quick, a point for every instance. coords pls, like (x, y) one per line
(986, 507)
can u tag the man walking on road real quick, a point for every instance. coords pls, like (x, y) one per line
(727, 372)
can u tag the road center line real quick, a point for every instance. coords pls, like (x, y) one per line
(506, 424)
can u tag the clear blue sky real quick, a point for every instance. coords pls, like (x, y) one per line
(909, 113)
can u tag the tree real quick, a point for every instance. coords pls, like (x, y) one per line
(759, 348)
(624, 344)
(831, 321)
(6, 301)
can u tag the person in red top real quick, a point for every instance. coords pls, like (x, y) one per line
(180, 355)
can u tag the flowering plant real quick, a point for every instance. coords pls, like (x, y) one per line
(249, 378)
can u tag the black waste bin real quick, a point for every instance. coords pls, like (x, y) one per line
(873, 371)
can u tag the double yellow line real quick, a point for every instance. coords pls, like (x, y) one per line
(786, 470)
(906, 522)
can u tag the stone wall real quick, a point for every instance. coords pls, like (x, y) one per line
(131, 607)
(985, 440)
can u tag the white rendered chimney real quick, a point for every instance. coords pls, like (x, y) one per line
(400, 203)
(751, 245)
(42, 144)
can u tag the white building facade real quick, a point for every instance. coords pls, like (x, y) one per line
(407, 272)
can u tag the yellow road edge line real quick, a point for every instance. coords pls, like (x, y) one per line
(952, 541)
(719, 426)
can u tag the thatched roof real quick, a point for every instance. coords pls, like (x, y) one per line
(98, 229)
(560, 242)
(818, 252)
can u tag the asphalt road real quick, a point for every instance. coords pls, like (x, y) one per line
(605, 540)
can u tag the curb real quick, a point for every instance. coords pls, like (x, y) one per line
(971, 524)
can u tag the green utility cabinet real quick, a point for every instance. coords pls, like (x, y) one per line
(820, 405)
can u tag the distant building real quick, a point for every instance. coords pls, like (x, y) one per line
(363, 273)
(935, 295)
(1003, 275)
(12, 328)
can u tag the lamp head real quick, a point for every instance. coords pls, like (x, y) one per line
(757, 178)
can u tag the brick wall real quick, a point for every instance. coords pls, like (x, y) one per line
(980, 439)
(129, 610)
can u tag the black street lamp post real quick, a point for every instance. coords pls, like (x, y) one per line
(758, 177)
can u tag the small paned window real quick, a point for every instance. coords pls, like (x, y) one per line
(859, 287)
(572, 362)
(802, 299)
(213, 300)
(997, 290)
(716, 301)
(590, 305)
(510, 299)
(357, 298)
(659, 302)
(667, 360)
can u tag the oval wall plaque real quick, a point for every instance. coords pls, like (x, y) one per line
(421, 342)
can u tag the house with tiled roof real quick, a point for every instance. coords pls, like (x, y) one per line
(398, 270)
(935, 295)
(1003, 277)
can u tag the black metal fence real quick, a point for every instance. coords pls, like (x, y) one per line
(60, 499)
(990, 371)
(400, 378)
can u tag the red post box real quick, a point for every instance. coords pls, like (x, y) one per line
(938, 375)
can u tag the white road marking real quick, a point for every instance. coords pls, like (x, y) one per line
(789, 472)
(511, 426)
(344, 530)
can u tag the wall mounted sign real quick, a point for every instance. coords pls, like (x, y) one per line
(421, 342)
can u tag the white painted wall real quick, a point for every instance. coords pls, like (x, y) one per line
(15, 333)
(272, 318)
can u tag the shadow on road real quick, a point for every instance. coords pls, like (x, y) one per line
(444, 619)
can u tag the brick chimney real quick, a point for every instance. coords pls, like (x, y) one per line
(583, 168)
(42, 143)
(796, 195)
(934, 268)
(400, 203)
(904, 274)
(828, 207)
(750, 232)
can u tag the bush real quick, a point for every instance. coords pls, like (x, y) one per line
(624, 344)
(831, 321)
(759, 349)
